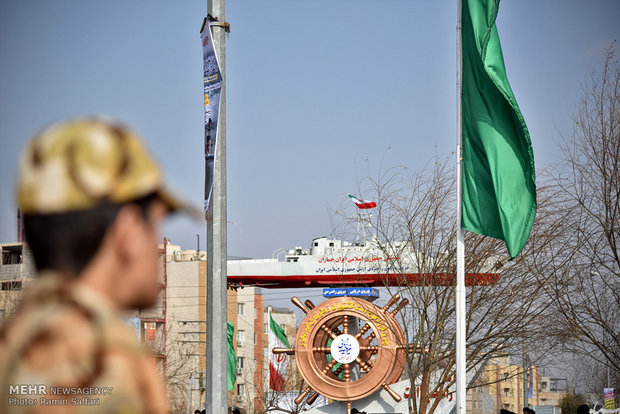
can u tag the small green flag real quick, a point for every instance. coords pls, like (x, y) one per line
(232, 357)
(499, 188)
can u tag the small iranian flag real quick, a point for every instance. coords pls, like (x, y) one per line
(277, 363)
(363, 204)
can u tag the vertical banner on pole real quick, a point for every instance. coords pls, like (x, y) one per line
(212, 90)
(232, 356)
(610, 402)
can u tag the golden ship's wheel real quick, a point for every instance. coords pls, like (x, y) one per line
(344, 359)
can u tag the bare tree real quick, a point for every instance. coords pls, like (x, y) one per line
(589, 378)
(8, 302)
(280, 401)
(414, 224)
(585, 262)
(181, 363)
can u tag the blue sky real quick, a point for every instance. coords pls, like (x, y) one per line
(317, 92)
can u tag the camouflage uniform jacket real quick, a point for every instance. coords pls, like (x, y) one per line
(65, 350)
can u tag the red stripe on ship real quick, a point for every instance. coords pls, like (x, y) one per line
(365, 279)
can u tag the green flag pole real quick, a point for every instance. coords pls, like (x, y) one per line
(496, 183)
(460, 240)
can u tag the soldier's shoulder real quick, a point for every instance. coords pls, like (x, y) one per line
(61, 345)
(64, 342)
(40, 337)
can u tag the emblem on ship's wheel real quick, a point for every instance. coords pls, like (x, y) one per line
(347, 348)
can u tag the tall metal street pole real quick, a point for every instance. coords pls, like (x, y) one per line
(216, 347)
(461, 348)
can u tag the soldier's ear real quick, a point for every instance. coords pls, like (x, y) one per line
(126, 233)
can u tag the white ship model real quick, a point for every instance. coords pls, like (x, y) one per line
(335, 262)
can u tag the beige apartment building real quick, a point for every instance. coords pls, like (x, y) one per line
(185, 310)
(501, 386)
(16, 269)
(174, 329)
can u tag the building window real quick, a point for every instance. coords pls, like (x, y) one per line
(475, 404)
(12, 255)
(506, 392)
(507, 406)
(14, 285)
(254, 338)
(240, 362)
(240, 308)
(240, 389)
(240, 337)
(331, 244)
(316, 244)
(265, 328)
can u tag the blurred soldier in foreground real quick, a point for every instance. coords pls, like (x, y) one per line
(93, 201)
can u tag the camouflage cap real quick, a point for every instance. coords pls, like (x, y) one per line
(81, 163)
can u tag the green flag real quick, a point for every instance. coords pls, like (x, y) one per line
(232, 357)
(499, 189)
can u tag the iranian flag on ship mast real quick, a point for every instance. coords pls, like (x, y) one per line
(362, 204)
(278, 364)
